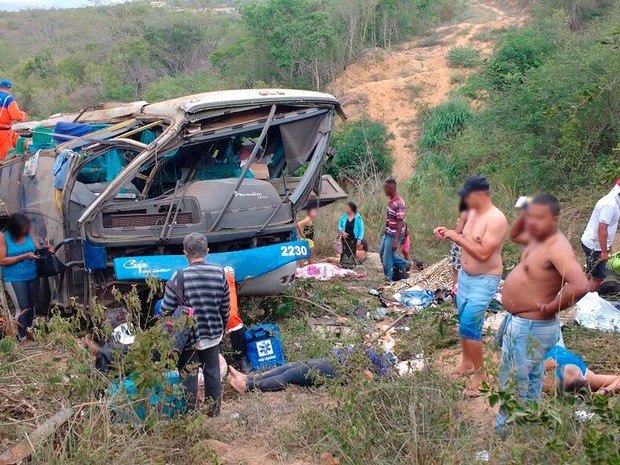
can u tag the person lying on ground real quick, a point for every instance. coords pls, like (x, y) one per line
(103, 349)
(566, 371)
(361, 254)
(548, 279)
(309, 373)
(481, 269)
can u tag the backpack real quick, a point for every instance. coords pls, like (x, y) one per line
(264, 346)
(181, 323)
(398, 273)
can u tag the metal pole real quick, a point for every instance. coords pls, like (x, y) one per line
(261, 139)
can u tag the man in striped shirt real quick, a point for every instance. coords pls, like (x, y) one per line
(207, 292)
(394, 231)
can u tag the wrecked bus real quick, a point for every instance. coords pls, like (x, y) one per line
(117, 188)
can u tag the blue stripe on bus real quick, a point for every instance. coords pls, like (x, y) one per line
(247, 264)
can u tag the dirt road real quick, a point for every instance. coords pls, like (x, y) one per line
(394, 86)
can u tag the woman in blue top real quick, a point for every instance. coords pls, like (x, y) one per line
(567, 372)
(351, 227)
(19, 271)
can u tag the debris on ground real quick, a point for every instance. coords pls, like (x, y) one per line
(436, 276)
(594, 312)
(23, 449)
(409, 367)
(329, 326)
(415, 297)
(324, 272)
(494, 321)
(584, 415)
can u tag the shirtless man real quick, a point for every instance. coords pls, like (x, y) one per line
(548, 279)
(481, 261)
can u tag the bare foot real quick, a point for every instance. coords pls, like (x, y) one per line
(463, 370)
(88, 343)
(27, 343)
(239, 384)
(238, 380)
(473, 387)
(470, 392)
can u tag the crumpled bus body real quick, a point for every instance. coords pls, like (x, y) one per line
(117, 189)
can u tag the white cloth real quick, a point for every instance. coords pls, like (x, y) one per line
(607, 210)
(593, 312)
(323, 272)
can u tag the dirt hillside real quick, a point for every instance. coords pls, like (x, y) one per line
(394, 86)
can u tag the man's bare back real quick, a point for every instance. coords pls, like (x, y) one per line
(536, 279)
(487, 229)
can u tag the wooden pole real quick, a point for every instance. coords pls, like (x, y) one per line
(23, 449)
(4, 311)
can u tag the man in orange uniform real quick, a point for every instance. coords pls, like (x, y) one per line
(235, 326)
(9, 112)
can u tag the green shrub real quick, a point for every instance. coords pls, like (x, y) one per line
(463, 57)
(178, 86)
(362, 149)
(443, 122)
(518, 52)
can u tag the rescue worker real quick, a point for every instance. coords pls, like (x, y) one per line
(235, 327)
(9, 112)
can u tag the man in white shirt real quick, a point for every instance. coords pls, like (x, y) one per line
(599, 235)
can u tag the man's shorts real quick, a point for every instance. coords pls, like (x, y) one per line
(594, 266)
(472, 300)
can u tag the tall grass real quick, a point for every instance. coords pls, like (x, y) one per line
(463, 57)
(443, 122)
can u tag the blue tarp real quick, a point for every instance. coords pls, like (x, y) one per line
(71, 129)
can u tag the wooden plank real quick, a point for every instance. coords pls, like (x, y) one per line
(5, 312)
(24, 448)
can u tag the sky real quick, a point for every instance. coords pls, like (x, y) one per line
(13, 5)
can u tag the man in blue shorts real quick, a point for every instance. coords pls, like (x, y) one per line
(481, 268)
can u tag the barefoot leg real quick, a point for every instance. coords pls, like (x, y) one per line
(474, 349)
(466, 366)
(239, 381)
